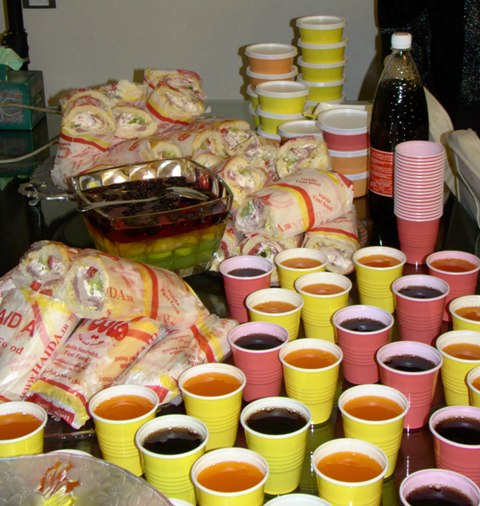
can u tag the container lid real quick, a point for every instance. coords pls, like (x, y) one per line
(401, 40)
(320, 84)
(271, 115)
(309, 65)
(321, 22)
(270, 51)
(344, 121)
(310, 104)
(252, 110)
(335, 45)
(348, 154)
(282, 89)
(356, 177)
(299, 127)
(262, 133)
(272, 77)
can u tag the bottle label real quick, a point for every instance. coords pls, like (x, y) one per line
(381, 172)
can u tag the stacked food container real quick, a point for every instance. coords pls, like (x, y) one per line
(345, 130)
(270, 63)
(322, 57)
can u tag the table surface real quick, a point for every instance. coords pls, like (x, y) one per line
(22, 224)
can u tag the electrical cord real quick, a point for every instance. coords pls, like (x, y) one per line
(41, 148)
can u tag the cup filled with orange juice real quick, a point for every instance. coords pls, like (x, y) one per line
(294, 262)
(212, 393)
(323, 293)
(310, 371)
(459, 269)
(118, 412)
(350, 471)
(465, 312)
(376, 268)
(276, 305)
(233, 476)
(460, 350)
(375, 413)
(22, 427)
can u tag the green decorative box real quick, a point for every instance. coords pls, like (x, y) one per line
(24, 87)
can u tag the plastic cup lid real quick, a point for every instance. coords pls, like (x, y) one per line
(270, 51)
(272, 77)
(344, 121)
(331, 65)
(320, 84)
(335, 45)
(282, 89)
(321, 22)
(271, 115)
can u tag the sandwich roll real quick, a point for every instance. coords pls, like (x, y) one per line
(133, 122)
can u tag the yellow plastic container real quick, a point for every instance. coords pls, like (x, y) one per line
(323, 91)
(270, 121)
(321, 72)
(252, 96)
(322, 53)
(282, 97)
(321, 29)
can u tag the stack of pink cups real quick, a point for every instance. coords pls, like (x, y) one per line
(418, 196)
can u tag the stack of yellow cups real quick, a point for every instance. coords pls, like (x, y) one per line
(322, 60)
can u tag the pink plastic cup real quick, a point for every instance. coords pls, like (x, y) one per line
(457, 455)
(401, 367)
(419, 318)
(417, 238)
(237, 288)
(462, 282)
(415, 150)
(436, 480)
(359, 347)
(260, 364)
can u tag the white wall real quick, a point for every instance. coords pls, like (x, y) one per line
(88, 42)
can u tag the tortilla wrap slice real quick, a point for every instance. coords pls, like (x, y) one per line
(133, 122)
(295, 204)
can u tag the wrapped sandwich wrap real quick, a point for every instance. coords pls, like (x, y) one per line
(33, 325)
(295, 204)
(242, 177)
(308, 152)
(163, 363)
(174, 106)
(132, 123)
(180, 79)
(337, 240)
(87, 132)
(98, 285)
(44, 265)
(94, 356)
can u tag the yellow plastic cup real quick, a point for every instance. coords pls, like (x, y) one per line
(374, 282)
(207, 496)
(318, 310)
(460, 322)
(284, 452)
(321, 29)
(386, 434)
(27, 444)
(220, 413)
(314, 387)
(116, 438)
(454, 369)
(287, 275)
(473, 385)
(282, 97)
(346, 493)
(322, 53)
(170, 472)
(270, 121)
(290, 320)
